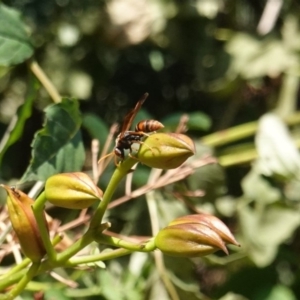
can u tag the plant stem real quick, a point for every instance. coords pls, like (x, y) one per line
(107, 255)
(25, 262)
(85, 240)
(230, 135)
(120, 172)
(38, 210)
(147, 246)
(45, 81)
(23, 282)
(17, 272)
(239, 132)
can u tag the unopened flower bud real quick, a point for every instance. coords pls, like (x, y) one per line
(194, 235)
(211, 221)
(72, 190)
(24, 223)
(166, 150)
(189, 240)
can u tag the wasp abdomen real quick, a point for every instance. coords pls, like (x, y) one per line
(148, 126)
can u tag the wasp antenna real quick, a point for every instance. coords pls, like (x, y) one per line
(144, 97)
(107, 155)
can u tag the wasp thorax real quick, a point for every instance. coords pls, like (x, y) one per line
(148, 126)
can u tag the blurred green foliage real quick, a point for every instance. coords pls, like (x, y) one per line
(224, 63)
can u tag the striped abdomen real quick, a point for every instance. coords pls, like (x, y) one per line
(148, 126)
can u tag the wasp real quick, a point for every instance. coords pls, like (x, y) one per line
(126, 138)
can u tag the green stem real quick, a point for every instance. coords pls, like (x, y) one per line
(73, 262)
(25, 262)
(148, 246)
(85, 240)
(230, 135)
(239, 132)
(23, 282)
(38, 210)
(45, 81)
(17, 272)
(121, 171)
(108, 255)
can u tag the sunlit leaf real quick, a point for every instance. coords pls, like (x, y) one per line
(58, 146)
(278, 154)
(233, 296)
(266, 229)
(281, 292)
(258, 56)
(15, 46)
(263, 192)
(107, 280)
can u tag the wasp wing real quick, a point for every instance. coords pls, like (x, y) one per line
(130, 116)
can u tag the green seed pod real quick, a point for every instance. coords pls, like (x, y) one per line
(189, 240)
(24, 223)
(72, 190)
(166, 150)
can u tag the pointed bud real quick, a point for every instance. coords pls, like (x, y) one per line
(72, 190)
(24, 223)
(189, 240)
(194, 235)
(211, 221)
(166, 150)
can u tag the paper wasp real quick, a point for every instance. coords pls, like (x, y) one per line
(126, 138)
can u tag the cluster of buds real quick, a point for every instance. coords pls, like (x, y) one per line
(24, 223)
(194, 235)
(68, 190)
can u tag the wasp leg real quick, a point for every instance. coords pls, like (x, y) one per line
(116, 161)
(133, 157)
(146, 146)
(141, 143)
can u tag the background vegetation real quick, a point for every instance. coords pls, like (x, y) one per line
(225, 64)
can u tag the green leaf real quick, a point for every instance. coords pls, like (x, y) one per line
(56, 293)
(199, 121)
(107, 282)
(16, 125)
(58, 146)
(196, 121)
(15, 45)
(96, 127)
(278, 154)
(281, 292)
(265, 229)
(258, 56)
